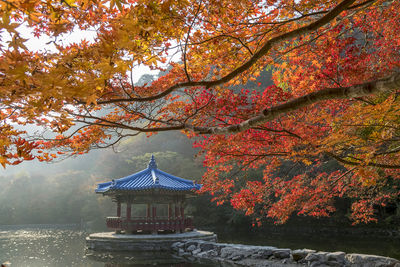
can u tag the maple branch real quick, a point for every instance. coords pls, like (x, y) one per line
(388, 84)
(372, 164)
(277, 131)
(123, 126)
(328, 17)
(187, 40)
(107, 123)
(226, 36)
(271, 154)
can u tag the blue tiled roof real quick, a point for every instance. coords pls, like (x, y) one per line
(150, 178)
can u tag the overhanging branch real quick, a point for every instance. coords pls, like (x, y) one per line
(388, 84)
(328, 17)
(353, 163)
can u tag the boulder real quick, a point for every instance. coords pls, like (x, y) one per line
(219, 247)
(281, 253)
(177, 245)
(207, 246)
(236, 252)
(371, 260)
(337, 256)
(190, 243)
(191, 248)
(196, 251)
(262, 252)
(181, 252)
(237, 257)
(226, 252)
(300, 254)
(207, 254)
(316, 256)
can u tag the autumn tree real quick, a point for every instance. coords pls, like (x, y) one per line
(335, 72)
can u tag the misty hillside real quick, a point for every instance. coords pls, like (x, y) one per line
(63, 192)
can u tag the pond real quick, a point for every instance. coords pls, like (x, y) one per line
(63, 247)
(32, 247)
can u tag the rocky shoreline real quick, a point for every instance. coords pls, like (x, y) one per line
(245, 255)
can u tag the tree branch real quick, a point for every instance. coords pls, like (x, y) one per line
(253, 59)
(390, 83)
(372, 164)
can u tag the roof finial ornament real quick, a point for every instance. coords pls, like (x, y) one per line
(152, 163)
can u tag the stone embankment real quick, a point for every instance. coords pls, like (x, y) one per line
(244, 255)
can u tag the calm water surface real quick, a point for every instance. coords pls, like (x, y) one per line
(55, 247)
(58, 247)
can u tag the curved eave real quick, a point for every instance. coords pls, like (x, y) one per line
(127, 183)
(146, 191)
(146, 188)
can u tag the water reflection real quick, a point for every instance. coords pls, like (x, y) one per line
(42, 247)
(135, 258)
(119, 259)
(63, 247)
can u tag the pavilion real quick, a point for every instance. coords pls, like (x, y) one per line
(158, 200)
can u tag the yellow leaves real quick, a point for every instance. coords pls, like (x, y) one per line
(3, 161)
(152, 61)
(368, 176)
(17, 42)
(92, 99)
(117, 3)
(307, 162)
(70, 3)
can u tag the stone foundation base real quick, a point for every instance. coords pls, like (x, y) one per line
(110, 241)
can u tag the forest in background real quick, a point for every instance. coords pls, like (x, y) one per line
(63, 192)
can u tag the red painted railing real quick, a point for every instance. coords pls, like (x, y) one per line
(149, 224)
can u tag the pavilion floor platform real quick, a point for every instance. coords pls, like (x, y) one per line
(110, 241)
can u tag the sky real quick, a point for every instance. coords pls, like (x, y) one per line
(44, 43)
(41, 44)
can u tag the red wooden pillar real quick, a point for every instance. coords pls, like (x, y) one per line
(182, 211)
(182, 218)
(154, 212)
(128, 211)
(176, 223)
(169, 211)
(118, 209)
(148, 211)
(170, 221)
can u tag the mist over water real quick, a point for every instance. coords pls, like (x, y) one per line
(43, 247)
